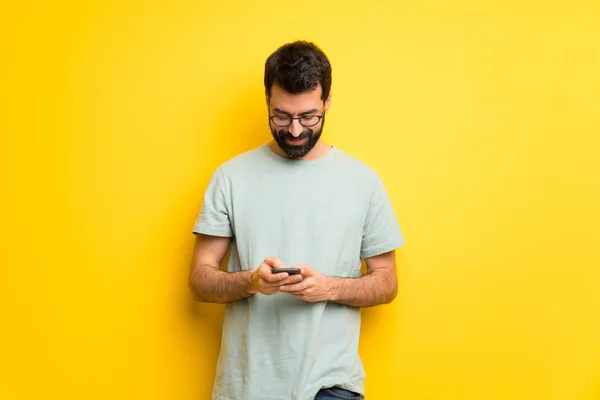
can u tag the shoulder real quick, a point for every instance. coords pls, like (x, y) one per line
(356, 167)
(243, 162)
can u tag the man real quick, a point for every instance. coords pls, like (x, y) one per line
(294, 202)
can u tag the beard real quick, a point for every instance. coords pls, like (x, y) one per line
(282, 136)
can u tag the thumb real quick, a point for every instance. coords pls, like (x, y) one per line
(305, 269)
(274, 262)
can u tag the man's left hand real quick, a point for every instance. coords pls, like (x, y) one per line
(314, 286)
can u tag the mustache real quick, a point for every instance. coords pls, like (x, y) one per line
(285, 134)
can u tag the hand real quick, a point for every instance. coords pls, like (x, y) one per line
(265, 282)
(314, 286)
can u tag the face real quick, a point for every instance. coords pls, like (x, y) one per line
(296, 140)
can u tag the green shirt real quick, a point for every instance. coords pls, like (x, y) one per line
(328, 213)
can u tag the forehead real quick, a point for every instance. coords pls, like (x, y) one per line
(295, 103)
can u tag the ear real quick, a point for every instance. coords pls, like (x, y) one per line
(267, 100)
(328, 102)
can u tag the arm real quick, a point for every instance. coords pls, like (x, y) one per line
(378, 286)
(207, 282)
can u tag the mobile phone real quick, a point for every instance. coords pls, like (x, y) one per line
(290, 271)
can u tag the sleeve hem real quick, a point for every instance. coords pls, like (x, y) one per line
(212, 231)
(381, 249)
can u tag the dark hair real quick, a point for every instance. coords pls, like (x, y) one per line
(298, 67)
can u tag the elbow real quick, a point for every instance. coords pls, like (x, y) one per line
(193, 290)
(392, 292)
(196, 292)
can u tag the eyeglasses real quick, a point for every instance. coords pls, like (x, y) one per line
(307, 121)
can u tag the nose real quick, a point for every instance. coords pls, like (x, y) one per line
(295, 128)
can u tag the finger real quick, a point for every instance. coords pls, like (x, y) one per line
(297, 287)
(305, 270)
(268, 286)
(273, 262)
(270, 277)
(292, 279)
(266, 272)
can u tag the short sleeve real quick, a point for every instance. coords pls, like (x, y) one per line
(381, 232)
(214, 215)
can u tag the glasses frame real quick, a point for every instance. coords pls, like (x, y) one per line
(319, 118)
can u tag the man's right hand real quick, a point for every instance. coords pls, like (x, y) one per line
(265, 282)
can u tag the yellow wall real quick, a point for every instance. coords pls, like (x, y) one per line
(482, 118)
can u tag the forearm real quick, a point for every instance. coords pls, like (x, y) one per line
(367, 291)
(209, 284)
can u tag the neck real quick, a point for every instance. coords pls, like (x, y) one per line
(320, 150)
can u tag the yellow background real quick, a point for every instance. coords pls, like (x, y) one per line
(482, 118)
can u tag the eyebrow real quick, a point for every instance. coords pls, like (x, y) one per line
(277, 110)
